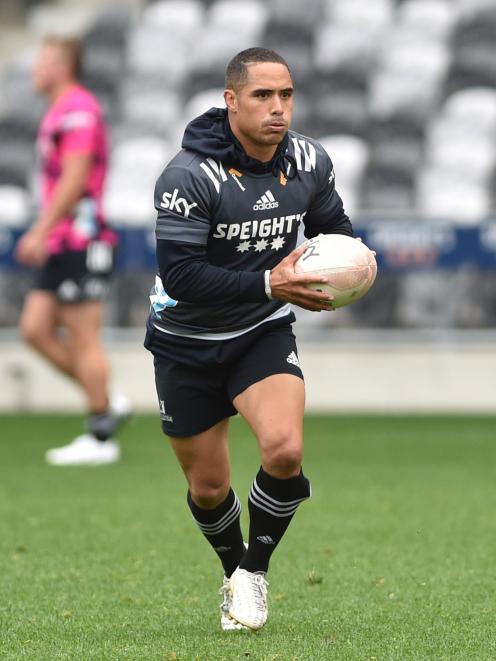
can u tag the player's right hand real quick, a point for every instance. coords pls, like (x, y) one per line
(30, 249)
(289, 286)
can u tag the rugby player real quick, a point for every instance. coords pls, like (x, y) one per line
(229, 207)
(72, 248)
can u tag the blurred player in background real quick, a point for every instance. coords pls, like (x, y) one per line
(229, 208)
(72, 249)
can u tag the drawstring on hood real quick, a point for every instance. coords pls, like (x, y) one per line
(210, 135)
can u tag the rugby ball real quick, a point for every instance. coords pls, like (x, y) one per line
(347, 263)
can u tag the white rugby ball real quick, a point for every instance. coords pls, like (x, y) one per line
(349, 266)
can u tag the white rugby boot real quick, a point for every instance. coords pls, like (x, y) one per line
(84, 450)
(226, 621)
(249, 598)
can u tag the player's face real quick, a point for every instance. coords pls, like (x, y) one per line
(261, 110)
(48, 69)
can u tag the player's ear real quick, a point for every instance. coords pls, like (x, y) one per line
(231, 100)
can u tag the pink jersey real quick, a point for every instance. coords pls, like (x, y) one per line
(74, 125)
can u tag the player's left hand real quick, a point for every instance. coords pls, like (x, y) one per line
(30, 249)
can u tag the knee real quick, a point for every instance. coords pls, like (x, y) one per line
(282, 454)
(208, 493)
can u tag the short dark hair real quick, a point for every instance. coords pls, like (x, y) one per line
(237, 72)
(70, 48)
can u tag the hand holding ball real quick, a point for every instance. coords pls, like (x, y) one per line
(347, 263)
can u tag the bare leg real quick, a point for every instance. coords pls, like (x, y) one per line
(215, 507)
(274, 409)
(38, 327)
(83, 323)
(204, 459)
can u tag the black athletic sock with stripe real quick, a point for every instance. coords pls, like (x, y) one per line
(101, 425)
(222, 529)
(272, 503)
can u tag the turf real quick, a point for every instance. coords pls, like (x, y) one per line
(393, 557)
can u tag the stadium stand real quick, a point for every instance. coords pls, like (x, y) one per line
(401, 79)
(401, 92)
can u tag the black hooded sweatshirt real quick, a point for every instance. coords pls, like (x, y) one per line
(225, 218)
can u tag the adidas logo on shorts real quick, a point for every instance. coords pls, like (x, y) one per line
(292, 359)
(267, 201)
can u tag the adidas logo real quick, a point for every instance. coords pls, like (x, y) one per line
(266, 539)
(267, 201)
(163, 415)
(292, 359)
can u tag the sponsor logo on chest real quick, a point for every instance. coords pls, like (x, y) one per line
(250, 229)
(267, 201)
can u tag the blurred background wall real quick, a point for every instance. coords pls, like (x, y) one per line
(402, 93)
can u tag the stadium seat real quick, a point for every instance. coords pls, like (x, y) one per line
(300, 59)
(425, 58)
(214, 47)
(403, 155)
(17, 152)
(372, 15)
(135, 164)
(472, 8)
(11, 175)
(109, 29)
(140, 156)
(201, 81)
(404, 125)
(229, 28)
(59, 19)
(129, 208)
(200, 103)
(304, 14)
(339, 45)
(386, 198)
(17, 97)
(439, 194)
(479, 31)
(474, 109)
(473, 64)
(104, 62)
(15, 206)
(394, 92)
(150, 54)
(454, 151)
(280, 32)
(156, 111)
(436, 18)
(247, 17)
(176, 18)
(340, 112)
(349, 155)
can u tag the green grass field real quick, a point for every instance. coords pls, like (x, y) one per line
(392, 558)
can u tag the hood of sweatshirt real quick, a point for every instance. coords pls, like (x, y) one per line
(210, 136)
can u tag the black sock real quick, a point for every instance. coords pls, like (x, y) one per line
(222, 530)
(272, 503)
(101, 425)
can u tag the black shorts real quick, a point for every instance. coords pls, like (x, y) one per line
(78, 276)
(197, 380)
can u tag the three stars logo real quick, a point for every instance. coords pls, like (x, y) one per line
(262, 244)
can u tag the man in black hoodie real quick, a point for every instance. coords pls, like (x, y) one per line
(229, 208)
